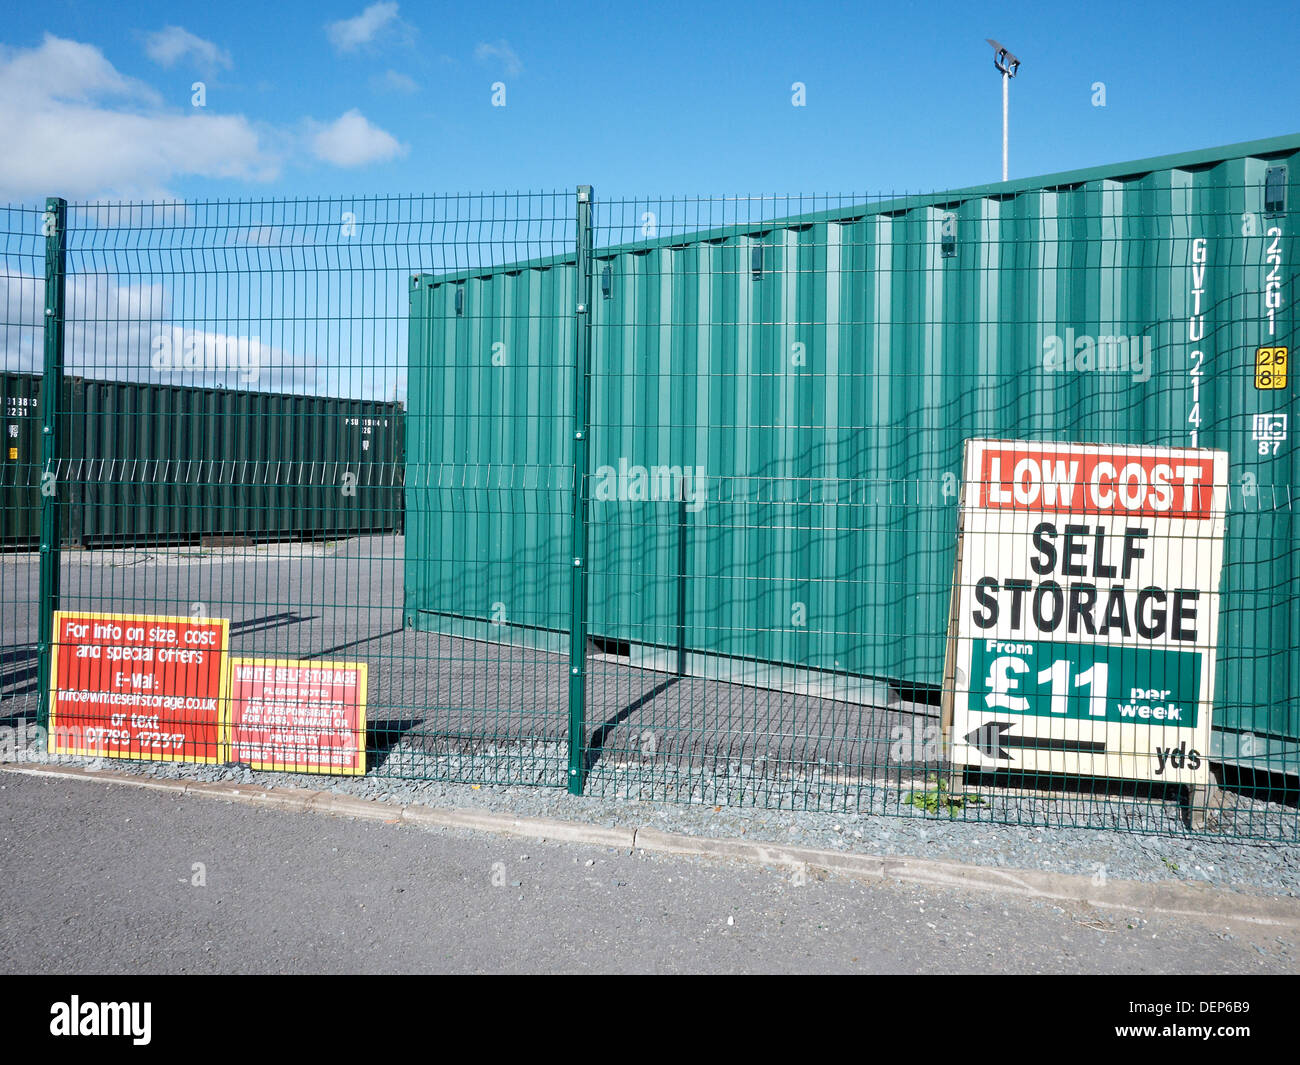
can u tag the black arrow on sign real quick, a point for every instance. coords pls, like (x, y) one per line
(991, 742)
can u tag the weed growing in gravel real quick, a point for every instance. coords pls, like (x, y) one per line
(937, 798)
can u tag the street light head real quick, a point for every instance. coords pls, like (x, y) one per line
(1002, 59)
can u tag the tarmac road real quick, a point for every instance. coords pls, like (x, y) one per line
(98, 878)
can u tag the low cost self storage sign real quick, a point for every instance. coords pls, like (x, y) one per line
(1087, 609)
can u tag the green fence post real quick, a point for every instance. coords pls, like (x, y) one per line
(681, 577)
(56, 248)
(581, 427)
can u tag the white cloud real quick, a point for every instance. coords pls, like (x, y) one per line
(392, 81)
(500, 55)
(184, 355)
(72, 125)
(23, 298)
(107, 329)
(78, 152)
(350, 140)
(114, 214)
(128, 332)
(349, 34)
(170, 45)
(59, 69)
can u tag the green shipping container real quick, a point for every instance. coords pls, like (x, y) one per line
(20, 464)
(174, 464)
(821, 372)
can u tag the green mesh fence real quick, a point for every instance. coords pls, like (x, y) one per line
(662, 498)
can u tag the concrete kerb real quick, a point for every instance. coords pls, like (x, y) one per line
(54, 771)
(1172, 899)
(527, 827)
(1196, 901)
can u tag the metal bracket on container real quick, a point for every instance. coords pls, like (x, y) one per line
(1275, 190)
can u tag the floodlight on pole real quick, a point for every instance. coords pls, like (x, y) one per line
(1007, 64)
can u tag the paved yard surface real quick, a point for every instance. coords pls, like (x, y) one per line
(435, 693)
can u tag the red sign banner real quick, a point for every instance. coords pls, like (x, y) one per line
(300, 717)
(138, 686)
(1018, 476)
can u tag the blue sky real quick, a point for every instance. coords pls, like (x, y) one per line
(357, 99)
(350, 98)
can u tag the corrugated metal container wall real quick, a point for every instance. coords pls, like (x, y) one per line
(826, 484)
(489, 484)
(20, 476)
(166, 463)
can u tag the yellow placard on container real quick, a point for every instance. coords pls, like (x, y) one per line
(1270, 368)
(297, 716)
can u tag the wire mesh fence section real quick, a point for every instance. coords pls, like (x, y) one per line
(683, 479)
(765, 639)
(236, 417)
(22, 304)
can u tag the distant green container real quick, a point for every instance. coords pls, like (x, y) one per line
(174, 464)
(20, 461)
(824, 371)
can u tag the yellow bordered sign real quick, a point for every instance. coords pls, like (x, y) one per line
(297, 716)
(1271, 367)
(146, 686)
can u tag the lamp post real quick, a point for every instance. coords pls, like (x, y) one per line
(1008, 65)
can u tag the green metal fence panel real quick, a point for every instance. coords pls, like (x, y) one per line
(237, 376)
(773, 396)
(22, 272)
(821, 369)
(489, 426)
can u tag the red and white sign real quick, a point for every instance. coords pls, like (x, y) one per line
(138, 686)
(1086, 609)
(301, 717)
(1040, 478)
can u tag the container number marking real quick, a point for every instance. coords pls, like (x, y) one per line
(1270, 367)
